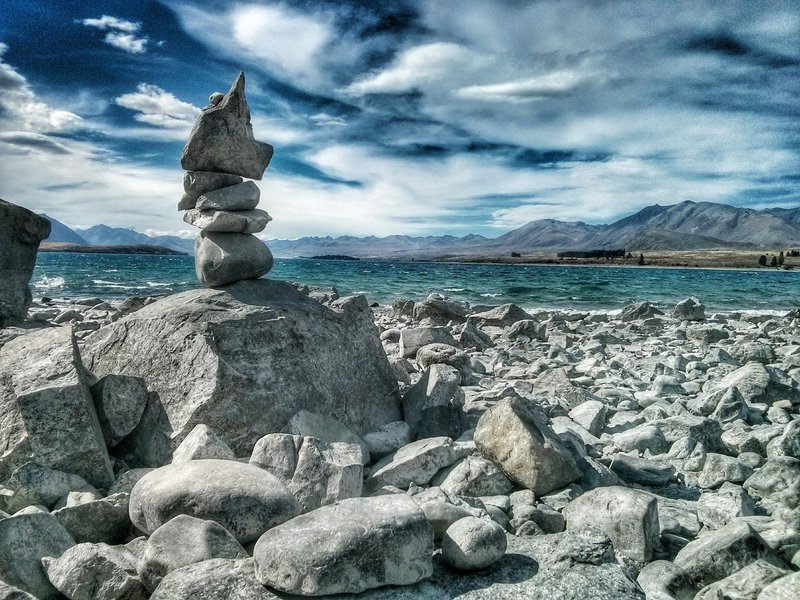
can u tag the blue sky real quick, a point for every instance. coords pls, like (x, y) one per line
(410, 117)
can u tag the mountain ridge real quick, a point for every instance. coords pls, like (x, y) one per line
(682, 226)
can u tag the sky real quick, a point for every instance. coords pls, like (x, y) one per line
(412, 117)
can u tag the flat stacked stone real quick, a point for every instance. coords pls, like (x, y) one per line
(220, 154)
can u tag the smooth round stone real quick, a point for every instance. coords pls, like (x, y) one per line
(223, 258)
(244, 499)
(473, 543)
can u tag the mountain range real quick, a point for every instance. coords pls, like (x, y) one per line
(683, 226)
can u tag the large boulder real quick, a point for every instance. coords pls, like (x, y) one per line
(244, 499)
(244, 359)
(46, 409)
(24, 541)
(516, 437)
(501, 316)
(20, 233)
(222, 139)
(629, 517)
(215, 579)
(346, 548)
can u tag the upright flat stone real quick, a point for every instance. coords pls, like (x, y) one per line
(243, 360)
(46, 409)
(223, 258)
(352, 546)
(222, 139)
(20, 233)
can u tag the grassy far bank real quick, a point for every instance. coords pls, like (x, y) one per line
(704, 259)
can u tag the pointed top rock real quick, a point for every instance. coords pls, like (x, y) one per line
(222, 138)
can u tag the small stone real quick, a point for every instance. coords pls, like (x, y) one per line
(223, 258)
(690, 309)
(240, 221)
(389, 438)
(472, 543)
(201, 443)
(414, 338)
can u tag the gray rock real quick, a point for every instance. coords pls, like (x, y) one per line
(663, 580)
(591, 415)
(471, 544)
(629, 517)
(9, 592)
(325, 429)
(758, 383)
(223, 258)
(700, 429)
(245, 359)
(241, 196)
(202, 442)
(183, 541)
(20, 233)
(416, 463)
(754, 352)
(316, 473)
(475, 476)
(197, 183)
(730, 407)
(433, 406)
(515, 437)
(502, 316)
(24, 541)
(47, 411)
(777, 481)
(95, 572)
(721, 553)
(717, 509)
(149, 445)
(528, 328)
(33, 483)
(439, 310)
(690, 309)
(101, 520)
(720, 468)
(641, 470)
(222, 139)
(642, 438)
(786, 444)
(244, 499)
(638, 311)
(745, 583)
(240, 221)
(785, 588)
(215, 579)
(444, 354)
(472, 337)
(346, 548)
(389, 438)
(443, 509)
(414, 338)
(119, 401)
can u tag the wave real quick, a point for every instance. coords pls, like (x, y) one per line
(49, 283)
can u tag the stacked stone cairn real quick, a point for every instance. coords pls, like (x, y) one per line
(220, 153)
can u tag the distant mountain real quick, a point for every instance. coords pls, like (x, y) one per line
(61, 234)
(683, 226)
(103, 235)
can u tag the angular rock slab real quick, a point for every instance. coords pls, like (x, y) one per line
(222, 258)
(24, 541)
(46, 410)
(629, 517)
(514, 436)
(20, 233)
(222, 139)
(239, 221)
(244, 499)
(354, 545)
(245, 359)
(242, 196)
(215, 579)
(416, 463)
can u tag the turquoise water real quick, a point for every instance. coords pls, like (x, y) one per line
(66, 275)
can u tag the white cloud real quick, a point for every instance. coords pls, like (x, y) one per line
(20, 109)
(107, 22)
(120, 33)
(157, 107)
(549, 85)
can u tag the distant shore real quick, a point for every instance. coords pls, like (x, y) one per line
(129, 249)
(693, 259)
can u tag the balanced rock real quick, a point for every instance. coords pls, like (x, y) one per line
(348, 547)
(20, 233)
(222, 139)
(239, 221)
(244, 499)
(46, 409)
(242, 196)
(245, 359)
(222, 258)
(198, 183)
(516, 437)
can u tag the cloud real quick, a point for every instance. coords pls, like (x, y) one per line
(157, 107)
(120, 33)
(28, 140)
(550, 85)
(20, 109)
